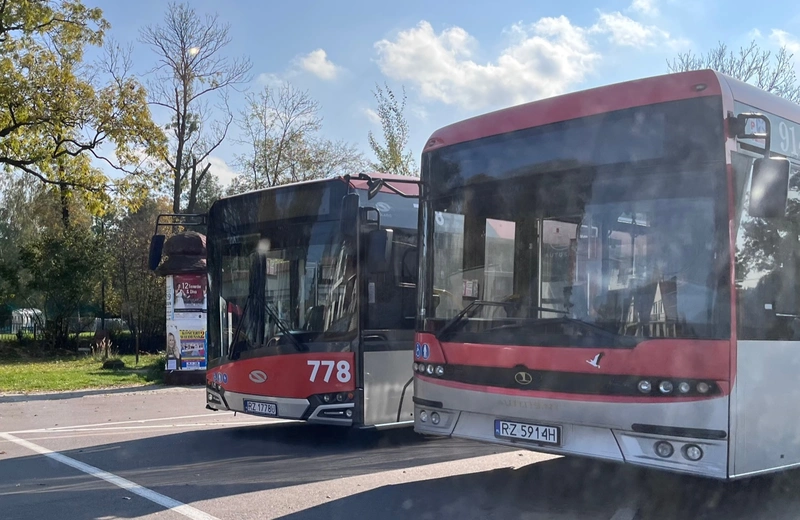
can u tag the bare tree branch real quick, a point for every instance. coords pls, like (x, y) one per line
(772, 73)
(190, 67)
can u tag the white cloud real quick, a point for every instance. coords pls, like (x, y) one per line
(785, 39)
(222, 171)
(317, 63)
(625, 31)
(646, 7)
(546, 58)
(373, 116)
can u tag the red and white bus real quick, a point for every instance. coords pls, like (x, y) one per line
(311, 302)
(613, 273)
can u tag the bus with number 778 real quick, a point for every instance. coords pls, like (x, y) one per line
(311, 301)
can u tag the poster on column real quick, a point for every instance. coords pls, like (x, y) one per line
(186, 322)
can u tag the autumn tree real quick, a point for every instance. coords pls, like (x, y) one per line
(281, 131)
(192, 70)
(392, 154)
(772, 72)
(60, 114)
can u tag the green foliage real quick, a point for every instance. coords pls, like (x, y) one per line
(392, 154)
(64, 269)
(141, 292)
(57, 110)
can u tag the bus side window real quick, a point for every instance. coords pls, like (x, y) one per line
(768, 270)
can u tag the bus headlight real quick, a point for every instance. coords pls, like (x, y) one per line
(416, 367)
(702, 387)
(429, 370)
(645, 386)
(684, 387)
(664, 449)
(423, 416)
(693, 452)
(665, 387)
(440, 370)
(435, 418)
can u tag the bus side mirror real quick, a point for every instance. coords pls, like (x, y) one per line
(156, 248)
(349, 221)
(379, 250)
(769, 189)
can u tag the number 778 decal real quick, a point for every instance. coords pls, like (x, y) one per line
(342, 370)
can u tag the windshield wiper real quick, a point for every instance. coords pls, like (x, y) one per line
(458, 318)
(281, 325)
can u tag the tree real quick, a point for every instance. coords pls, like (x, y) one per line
(392, 155)
(59, 111)
(191, 69)
(209, 191)
(64, 269)
(141, 290)
(773, 73)
(280, 129)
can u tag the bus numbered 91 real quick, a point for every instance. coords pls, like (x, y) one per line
(614, 274)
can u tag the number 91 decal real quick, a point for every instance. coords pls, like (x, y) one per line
(342, 370)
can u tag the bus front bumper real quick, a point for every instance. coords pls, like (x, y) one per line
(338, 414)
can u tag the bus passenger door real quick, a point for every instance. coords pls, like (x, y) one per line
(389, 272)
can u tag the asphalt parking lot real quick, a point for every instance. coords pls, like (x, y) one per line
(158, 454)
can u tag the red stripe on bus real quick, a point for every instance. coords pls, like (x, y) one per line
(287, 375)
(697, 359)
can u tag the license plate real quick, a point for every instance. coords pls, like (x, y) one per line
(259, 408)
(542, 434)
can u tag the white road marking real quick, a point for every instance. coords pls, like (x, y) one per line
(147, 427)
(162, 500)
(137, 421)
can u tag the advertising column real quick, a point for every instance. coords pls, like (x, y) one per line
(187, 305)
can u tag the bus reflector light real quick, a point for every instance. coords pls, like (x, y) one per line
(645, 386)
(702, 387)
(684, 387)
(440, 370)
(692, 452)
(664, 449)
(665, 387)
(435, 418)
(423, 416)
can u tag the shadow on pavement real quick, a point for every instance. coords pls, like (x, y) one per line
(567, 488)
(201, 465)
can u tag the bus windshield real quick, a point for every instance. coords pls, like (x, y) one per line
(594, 256)
(299, 277)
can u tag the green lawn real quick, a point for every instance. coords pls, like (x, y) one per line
(80, 373)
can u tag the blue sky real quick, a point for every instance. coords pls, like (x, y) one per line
(456, 59)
